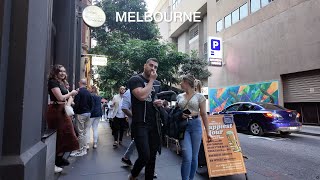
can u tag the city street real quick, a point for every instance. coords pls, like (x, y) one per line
(293, 157)
(269, 157)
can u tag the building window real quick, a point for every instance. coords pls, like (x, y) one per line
(244, 11)
(235, 16)
(265, 2)
(227, 21)
(255, 5)
(193, 32)
(175, 4)
(205, 51)
(258, 4)
(219, 25)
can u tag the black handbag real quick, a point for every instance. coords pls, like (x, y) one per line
(181, 124)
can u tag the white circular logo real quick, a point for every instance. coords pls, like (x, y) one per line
(93, 16)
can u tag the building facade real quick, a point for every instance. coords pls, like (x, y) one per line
(85, 64)
(270, 50)
(34, 35)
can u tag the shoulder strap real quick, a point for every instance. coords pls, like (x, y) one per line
(188, 101)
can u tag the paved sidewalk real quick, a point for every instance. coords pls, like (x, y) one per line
(104, 163)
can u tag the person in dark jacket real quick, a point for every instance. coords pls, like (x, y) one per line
(82, 108)
(95, 118)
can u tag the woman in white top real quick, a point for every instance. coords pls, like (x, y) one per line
(193, 134)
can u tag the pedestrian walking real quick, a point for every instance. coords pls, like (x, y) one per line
(57, 118)
(195, 103)
(125, 106)
(82, 108)
(146, 125)
(95, 117)
(119, 118)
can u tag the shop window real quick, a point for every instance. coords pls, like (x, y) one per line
(219, 26)
(227, 21)
(244, 11)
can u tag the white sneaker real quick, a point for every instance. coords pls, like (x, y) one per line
(57, 169)
(87, 146)
(95, 145)
(73, 153)
(79, 153)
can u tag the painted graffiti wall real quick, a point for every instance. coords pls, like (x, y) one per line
(260, 92)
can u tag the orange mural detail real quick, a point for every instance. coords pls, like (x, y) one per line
(241, 88)
(273, 88)
(220, 92)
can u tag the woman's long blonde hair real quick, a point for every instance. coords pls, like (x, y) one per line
(193, 82)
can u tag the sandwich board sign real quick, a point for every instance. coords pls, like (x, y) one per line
(223, 153)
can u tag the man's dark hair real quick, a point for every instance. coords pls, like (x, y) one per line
(152, 59)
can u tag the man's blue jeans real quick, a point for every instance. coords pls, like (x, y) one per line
(190, 149)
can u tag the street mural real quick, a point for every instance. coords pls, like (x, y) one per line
(260, 92)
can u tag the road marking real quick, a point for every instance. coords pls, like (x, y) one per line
(269, 139)
(258, 137)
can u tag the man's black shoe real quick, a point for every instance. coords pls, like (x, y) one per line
(126, 161)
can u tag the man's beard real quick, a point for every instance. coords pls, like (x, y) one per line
(147, 73)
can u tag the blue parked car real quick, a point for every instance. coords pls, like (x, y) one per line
(259, 118)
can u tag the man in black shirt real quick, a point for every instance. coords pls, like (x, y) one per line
(145, 125)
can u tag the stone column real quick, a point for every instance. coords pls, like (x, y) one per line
(24, 46)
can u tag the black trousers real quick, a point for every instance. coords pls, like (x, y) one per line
(147, 143)
(118, 128)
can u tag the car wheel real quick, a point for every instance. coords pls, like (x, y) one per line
(255, 129)
(285, 133)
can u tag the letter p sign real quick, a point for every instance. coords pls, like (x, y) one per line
(215, 44)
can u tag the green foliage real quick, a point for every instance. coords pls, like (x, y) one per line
(139, 30)
(195, 66)
(134, 54)
(129, 45)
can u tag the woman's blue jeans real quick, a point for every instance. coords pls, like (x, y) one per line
(190, 149)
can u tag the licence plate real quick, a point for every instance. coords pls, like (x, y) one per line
(293, 128)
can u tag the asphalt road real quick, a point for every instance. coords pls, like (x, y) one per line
(280, 158)
(274, 157)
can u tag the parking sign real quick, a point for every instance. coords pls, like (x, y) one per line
(215, 48)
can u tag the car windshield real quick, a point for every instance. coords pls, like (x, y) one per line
(272, 107)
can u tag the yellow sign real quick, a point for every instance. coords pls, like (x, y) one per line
(223, 154)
